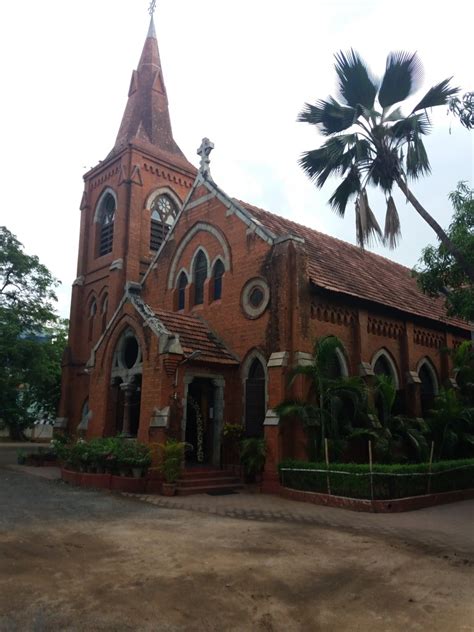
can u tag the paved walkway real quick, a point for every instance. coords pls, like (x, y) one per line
(446, 527)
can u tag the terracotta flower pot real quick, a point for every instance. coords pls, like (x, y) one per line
(169, 489)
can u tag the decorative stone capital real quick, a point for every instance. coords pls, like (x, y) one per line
(279, 358)
(303, 359)
(271, 418)
(413, 377)
(160, 418)
(116, 265)
(171, 344)
(79, 281)
(61, 422)
(365, 369)
(132, 288)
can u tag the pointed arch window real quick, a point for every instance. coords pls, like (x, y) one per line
(200, 276)
(217, 280)
(163, 215)
(106, 220)
(92, 313)
(182, 284)
(103, 311)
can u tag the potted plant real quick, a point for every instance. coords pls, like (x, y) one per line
(172, 453)
(252, 456)
(231, 436)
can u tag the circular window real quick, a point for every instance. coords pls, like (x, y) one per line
(130, 352)
(255, 297)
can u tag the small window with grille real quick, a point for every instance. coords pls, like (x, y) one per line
(163, 215)
(106, 219)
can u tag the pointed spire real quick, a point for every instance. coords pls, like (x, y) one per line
(146, 120)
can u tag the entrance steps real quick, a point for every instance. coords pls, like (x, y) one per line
(205, 480)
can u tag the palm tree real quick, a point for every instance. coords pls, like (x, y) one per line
(371, 141)
(397, 429)
(326, 414)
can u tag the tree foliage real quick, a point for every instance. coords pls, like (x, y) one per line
(32, 337)
(439, 272)
(463, 109)
(371, 141)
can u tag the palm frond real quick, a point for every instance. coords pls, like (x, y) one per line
(437, 95)
(368, 228)
(330, 116)
(324, 352)
(394, 115)
(356, 86)
(403, 75)
(348, 187)
(392, 232)
(407, 127)
(417, 162)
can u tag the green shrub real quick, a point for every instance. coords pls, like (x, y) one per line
(389, 481)
(171, 459)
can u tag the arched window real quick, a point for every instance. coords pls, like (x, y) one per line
(429, 387)
(163, 215)
(182, 284)
(255, 400)
(103, 311)
(200, 276)
(384, 365)
(217, 279)
(106, 223)
(92, 313)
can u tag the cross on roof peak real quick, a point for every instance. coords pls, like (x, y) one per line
(204, 151)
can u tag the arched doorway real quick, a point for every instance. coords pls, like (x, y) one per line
(255, 399)
(126, 382)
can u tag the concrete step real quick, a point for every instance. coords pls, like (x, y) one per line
(208, 481)
(205, 473)
(205, 489)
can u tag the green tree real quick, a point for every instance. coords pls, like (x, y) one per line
(332, 402)
(32, 338)
(463, 109)
(452, 426)
(372, 142)
(439, 272)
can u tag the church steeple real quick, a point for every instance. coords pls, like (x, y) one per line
(146, 120)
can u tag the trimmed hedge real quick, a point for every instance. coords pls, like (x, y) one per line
(389, 481)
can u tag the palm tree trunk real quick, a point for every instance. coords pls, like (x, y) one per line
(444, 239)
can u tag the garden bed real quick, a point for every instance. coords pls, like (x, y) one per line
(395, 505)
(384, 488)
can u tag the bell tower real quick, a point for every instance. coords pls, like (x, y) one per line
(129, 202)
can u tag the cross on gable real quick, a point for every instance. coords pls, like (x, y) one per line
(204, 151)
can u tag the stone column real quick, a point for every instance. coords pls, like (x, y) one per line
(128, 389)
(219, 384)
(276, 394)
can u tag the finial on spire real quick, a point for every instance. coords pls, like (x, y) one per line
(152, 8)
(204, 151)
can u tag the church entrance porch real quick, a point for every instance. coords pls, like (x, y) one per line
(202, 423)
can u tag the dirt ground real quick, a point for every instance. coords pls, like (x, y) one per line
(80, 560)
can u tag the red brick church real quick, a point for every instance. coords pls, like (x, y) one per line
(191, 307)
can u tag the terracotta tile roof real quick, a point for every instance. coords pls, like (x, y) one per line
(335, 265)
(195, 335)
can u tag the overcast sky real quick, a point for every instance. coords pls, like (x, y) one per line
(237, 72)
